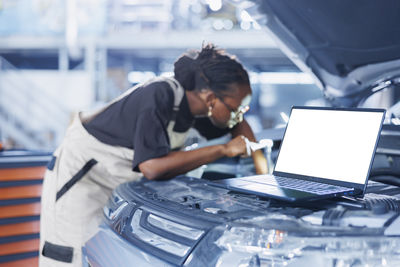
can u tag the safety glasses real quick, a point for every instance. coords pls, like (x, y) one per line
(237, 114)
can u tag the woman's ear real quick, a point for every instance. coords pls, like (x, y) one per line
(200, 101)
(208, 96)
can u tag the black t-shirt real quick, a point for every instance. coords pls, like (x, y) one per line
(139, 121)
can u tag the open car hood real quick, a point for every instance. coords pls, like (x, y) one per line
(351, 48)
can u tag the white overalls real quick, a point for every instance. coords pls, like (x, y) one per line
(78, 182)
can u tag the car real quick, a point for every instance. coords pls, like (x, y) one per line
(186, 222)
(352, 49)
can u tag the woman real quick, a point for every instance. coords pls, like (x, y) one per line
(136, 135)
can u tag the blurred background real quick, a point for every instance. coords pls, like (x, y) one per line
(58, 57)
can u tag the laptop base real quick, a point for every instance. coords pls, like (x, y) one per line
(270, 191)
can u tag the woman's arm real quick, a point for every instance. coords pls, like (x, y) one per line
(260, 162)
(179, 162)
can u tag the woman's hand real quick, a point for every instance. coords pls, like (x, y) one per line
(260, 162)
(235, 147)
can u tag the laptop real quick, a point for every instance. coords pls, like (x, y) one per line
(324, 153)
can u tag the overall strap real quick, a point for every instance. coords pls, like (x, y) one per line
(178, 93)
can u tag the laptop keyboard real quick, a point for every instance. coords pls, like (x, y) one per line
(296, 184)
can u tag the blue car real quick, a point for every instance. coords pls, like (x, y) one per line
(186, 222)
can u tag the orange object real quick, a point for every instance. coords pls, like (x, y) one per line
(20, 192)
(31, 209)
(20, 228)
(19, 247)
(12, 192)
(31, 262)
(26, 173)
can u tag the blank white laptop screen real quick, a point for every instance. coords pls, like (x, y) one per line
(332, 144)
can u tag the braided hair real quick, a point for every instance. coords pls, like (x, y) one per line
(209, 68)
